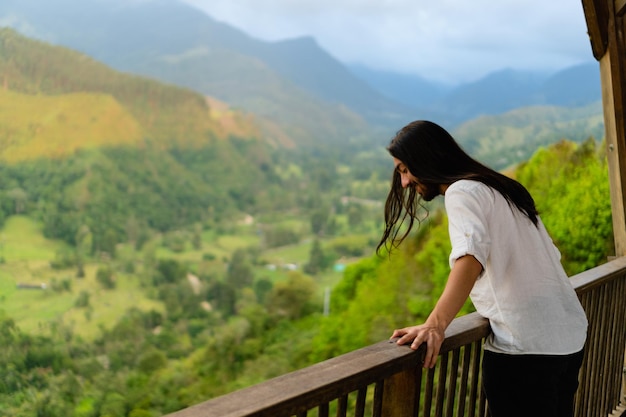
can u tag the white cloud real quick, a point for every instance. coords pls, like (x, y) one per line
(443, 39)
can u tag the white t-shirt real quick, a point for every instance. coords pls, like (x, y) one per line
(523, 289)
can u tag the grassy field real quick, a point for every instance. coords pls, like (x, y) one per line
(21, 240)
(27, 256)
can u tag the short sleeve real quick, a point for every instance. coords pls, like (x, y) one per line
(468, 205)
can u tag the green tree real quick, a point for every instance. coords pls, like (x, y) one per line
(82, 300)
(113, 405)
(151, 360)
(196, 237)
(239, 274)
(20, 198)
(571, 189)
(84, 241)
(318, 259)
(275, 236)
(319, 220)
(291, 299)
(104, 276)
(107, 242)
(262, 287)
(222, 297)
(356, 213)
(169, 271)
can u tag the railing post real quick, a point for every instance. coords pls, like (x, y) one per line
(401, 395)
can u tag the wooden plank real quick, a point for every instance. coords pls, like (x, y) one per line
(620, 7)
(465, 329)
(599, 275)
(465, 375)
(378, 399)
(359, 410)
(442, 381)
(614, 350)
(603, 361)
(620, 335)
(582, 394)
(325, 381)
(428, 393)
(597, 17)
(305, 389)
(452, 380)
(476, 381)
(616, 156)
(342, 406)
(613, 78)
(401, 395)
(595, 379)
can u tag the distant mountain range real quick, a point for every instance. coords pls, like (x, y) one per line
(293, 83)
(176, 43)
(496, 93)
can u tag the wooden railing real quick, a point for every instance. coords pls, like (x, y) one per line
(602, 291)
(387, 380)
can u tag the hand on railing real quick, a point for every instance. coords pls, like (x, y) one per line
(462, 277)
(433, 336)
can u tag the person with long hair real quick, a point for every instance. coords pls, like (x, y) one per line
(504, 260)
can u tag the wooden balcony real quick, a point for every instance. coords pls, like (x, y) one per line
(387, 380)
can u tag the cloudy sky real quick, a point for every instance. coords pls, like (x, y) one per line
(442, 40)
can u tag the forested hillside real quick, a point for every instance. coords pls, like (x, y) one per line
(45, 80)
(228, 328)
(90, 148)
(505, 140)
(156, 250)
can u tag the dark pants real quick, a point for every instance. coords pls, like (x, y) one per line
(531, 385)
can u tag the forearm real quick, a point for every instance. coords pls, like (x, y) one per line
(458, 287)
(460, 282)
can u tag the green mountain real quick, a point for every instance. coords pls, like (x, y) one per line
(86, 146)
(171, 41)
(505, 140)
(45, 79)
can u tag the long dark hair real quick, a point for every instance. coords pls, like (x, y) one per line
(432, 155)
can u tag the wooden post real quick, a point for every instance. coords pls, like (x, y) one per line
(401, 395)
(613, 77)
(616, 157)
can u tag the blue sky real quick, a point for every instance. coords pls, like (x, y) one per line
(441, 40)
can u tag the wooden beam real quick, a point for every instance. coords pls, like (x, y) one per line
(615, 156)
(597, 18)
(613, 77)
(402, 393)
(620, 7)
